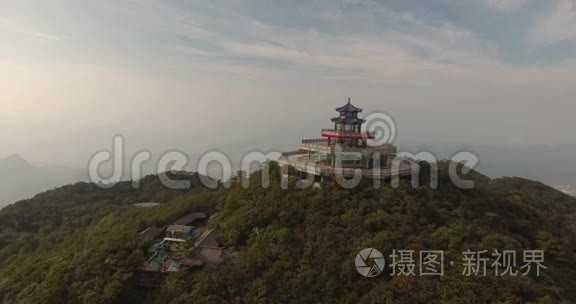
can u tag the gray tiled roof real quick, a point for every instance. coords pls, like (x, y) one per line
(348, 107)
(189, 218)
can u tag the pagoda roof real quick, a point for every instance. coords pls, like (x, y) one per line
(348, 120)
(348, 107)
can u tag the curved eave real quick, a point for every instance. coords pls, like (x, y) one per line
(348, 108)
(339, 136)
(349, 121)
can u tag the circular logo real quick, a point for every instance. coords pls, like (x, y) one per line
(383, 128)
(369, 262)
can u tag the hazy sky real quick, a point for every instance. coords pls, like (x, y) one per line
(198, 75)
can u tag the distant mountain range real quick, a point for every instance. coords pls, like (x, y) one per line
(20, 180)
(552, 165)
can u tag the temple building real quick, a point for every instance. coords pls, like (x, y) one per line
(347, 149)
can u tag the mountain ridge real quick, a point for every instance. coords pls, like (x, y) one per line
(20, 180)
(79, 243)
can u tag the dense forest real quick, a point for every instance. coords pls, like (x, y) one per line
(79, 243)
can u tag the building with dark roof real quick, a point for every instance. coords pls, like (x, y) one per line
(190, 218)
(208, 247)
(180, 232)
(348, 119)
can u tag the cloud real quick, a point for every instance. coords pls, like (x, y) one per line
(557, 25)
(505, 6)
(8, 24)
(153, 65)
(337, 42)
(370, 40)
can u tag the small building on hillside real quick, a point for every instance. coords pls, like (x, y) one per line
(208, 247)
(160, 259)
(180, 232)
(185, 243)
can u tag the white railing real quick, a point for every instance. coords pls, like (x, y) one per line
(322, 145)
(348, 133)
(303, 163)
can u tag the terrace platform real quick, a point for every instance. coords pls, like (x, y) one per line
(347, 150)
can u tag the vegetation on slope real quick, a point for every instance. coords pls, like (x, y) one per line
(297, 245)
(79, 243)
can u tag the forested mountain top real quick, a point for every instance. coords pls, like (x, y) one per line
(298, 245)
(70, 200)
(50, 217)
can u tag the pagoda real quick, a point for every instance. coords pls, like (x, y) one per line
(346, 149)
(347, 127)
